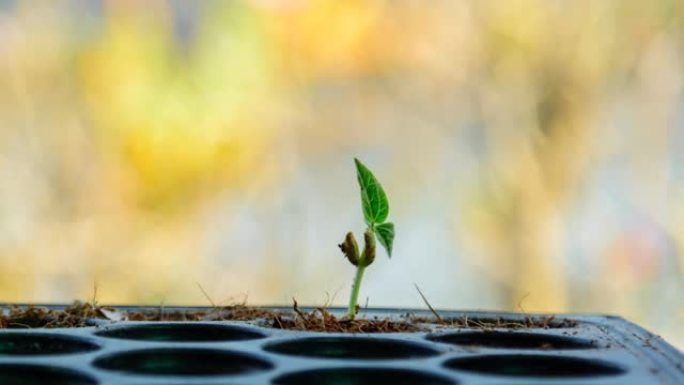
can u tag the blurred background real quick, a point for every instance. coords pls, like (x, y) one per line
(532, 151)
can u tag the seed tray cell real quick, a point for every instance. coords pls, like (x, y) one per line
(566, 350)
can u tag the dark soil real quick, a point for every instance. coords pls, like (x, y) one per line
(81, 314)
(320, 320)
(544, 322)
(75, 315)
(238, 312)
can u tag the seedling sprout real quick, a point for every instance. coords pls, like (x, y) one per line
(375, 209)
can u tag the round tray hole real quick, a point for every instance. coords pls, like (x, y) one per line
(42, 344)
(534, 366)
(182, 362)
(351, 348)
(21, 374)
(361, 376)
(182, 332)
(513, 340)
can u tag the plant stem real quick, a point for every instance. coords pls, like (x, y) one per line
(356, 285)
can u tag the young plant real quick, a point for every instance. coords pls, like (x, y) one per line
(375, 210)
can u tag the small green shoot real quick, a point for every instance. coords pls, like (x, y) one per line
(375, 209)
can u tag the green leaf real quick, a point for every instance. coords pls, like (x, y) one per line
(385, 234)
(373, 198)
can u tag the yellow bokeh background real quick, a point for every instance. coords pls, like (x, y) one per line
(532, 152)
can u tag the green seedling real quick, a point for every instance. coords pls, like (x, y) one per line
(375, 209)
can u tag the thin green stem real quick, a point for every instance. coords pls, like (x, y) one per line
(356, 285)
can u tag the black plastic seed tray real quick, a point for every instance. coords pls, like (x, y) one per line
(577, 350)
